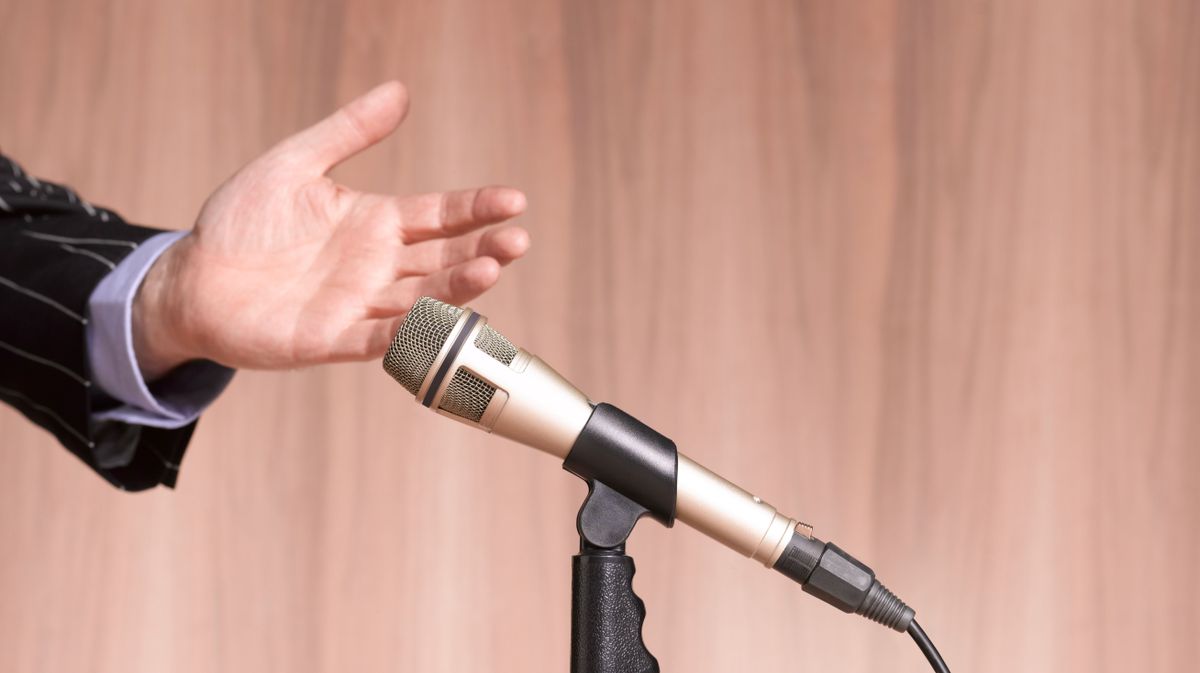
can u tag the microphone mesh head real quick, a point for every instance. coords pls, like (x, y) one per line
(494, 344)
(419, 340)
(467, 395)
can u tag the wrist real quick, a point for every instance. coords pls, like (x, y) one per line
(160, 339)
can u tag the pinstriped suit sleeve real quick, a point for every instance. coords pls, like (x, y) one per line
(55, 248)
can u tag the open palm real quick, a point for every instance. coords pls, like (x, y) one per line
(286, 268)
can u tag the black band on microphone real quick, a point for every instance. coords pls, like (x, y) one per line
(451, 356)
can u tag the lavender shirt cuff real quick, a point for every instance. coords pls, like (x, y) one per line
(171, 402)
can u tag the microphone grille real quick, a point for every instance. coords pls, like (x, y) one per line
(467, 395)
(419, 340)
(496, 345)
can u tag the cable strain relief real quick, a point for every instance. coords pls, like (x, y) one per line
(883, 607)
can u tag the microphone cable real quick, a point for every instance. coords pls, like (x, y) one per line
(927, 648)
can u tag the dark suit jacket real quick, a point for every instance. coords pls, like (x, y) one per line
(54, 249)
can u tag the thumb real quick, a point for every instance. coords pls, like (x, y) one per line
(361, 123)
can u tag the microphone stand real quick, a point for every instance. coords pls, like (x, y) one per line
(606, 616)
(631, 471)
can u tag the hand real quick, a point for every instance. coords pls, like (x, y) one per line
(285, 268)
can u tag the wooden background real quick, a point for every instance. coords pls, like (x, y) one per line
(922, 273)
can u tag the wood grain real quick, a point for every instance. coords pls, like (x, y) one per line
(922, 273)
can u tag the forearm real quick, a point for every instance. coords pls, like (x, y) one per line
(158, 317)
(56, 251)
(134, 345)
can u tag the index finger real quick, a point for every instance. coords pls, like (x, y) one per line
(443, 214)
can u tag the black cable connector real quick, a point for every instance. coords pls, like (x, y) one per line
(827, 572)
(841, 580)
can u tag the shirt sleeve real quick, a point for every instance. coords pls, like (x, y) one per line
(171, 402)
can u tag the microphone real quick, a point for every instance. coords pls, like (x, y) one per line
(459, 366)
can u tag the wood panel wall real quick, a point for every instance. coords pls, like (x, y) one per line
(922, 273)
